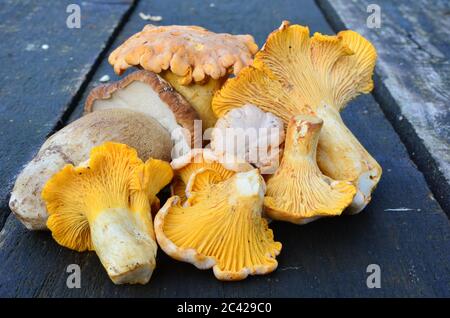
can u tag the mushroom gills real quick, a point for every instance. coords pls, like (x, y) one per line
(223, 229)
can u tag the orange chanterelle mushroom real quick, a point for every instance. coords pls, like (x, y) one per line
(298, 192)
(222, 228)
(298, 74)
(104, 205)
(193, 60)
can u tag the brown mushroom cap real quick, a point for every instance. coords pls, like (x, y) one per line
(148, 93)
(103, 97)
(192, 52)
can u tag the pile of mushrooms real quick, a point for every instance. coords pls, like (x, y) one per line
(94, 183)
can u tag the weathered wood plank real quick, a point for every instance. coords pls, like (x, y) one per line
(44, 64)
(326, 258)
(413, 71)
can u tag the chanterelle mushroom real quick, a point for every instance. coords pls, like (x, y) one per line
(72, 144)
(223, 229)
(249, 134)
(148, 93)
(194, 60)
(104, 206)
(295, 74)
(200, 169)
(298, 192)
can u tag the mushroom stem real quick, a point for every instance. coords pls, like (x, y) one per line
(124, 242)
(249, 185)
(199, 95)
(357, 166)
(298, 192)
(303, 136)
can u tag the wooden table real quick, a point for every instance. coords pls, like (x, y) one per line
(48, 69)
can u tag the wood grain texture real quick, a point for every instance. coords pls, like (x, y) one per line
(39, 85)
(326, 258)
(413, 76)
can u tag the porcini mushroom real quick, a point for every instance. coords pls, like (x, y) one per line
(298, 192)
(249, 134)
(223, 230)
(72, 144)
(193, 60)
(200, 169)
(104, 206)
(148, 93)
(295, 74)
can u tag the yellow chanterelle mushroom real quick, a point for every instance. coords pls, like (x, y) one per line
(298, 74)
(298, 192)
(221, 229)
(104, 206)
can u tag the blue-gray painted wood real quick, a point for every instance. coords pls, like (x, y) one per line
(38, 85)
(413, 76)
(325, 258)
